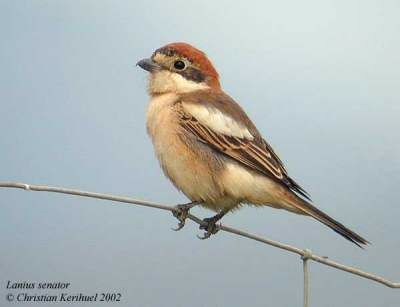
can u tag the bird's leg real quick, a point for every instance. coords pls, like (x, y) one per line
(210, 226)
(181, 212)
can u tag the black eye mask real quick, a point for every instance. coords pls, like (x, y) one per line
(189, 73)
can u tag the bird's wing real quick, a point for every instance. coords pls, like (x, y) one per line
(218, 121)
(228, 130)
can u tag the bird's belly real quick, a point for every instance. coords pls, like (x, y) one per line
(186, 171)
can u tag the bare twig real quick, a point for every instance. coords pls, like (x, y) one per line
(305, 254)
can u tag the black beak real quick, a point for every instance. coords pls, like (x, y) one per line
(149, 65)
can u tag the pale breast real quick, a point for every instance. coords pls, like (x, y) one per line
(160, 116)
(188, 165)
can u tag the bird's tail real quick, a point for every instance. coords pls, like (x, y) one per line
(308, 209)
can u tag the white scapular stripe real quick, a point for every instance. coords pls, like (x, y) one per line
(217, 120)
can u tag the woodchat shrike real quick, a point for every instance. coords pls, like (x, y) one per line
(210, 149)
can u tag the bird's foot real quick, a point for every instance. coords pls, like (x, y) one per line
(181, 212)
(210, 226)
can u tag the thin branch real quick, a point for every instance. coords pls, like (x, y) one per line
(304, 253)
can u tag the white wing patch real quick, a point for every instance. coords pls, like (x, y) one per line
(217, 121)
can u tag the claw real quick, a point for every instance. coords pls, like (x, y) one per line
(210, 227)
(179, 227)
(205, 236)
(181, 213)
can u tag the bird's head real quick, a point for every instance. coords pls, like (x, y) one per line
(179, 68)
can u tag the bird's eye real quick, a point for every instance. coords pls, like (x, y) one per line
(179, 65)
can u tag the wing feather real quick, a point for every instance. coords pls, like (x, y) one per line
(254, 153)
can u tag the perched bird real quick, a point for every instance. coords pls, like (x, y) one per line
(210, 149)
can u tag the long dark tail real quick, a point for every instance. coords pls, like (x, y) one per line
(308, 209)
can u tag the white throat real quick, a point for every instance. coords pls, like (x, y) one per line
(162, 82)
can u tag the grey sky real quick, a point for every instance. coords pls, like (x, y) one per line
(321, 79)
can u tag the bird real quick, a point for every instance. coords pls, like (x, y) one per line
(210, 149)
